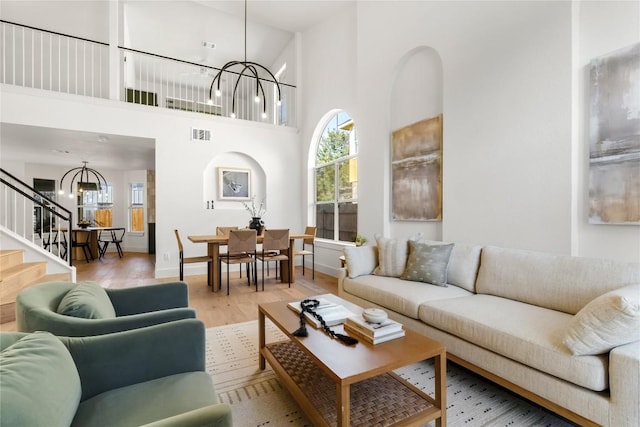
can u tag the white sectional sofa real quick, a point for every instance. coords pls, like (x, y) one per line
(561, 331)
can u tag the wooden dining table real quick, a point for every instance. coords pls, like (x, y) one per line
(214, 242)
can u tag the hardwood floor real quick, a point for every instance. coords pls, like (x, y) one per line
(213, 308)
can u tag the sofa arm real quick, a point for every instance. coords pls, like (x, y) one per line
(342, 274)
(215, 415)
(69, 326)
(624, 385)
(106, 362)
(142, 299)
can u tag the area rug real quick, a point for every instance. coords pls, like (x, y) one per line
(258, 399)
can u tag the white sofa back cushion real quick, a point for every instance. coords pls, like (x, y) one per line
(559, 282)
(360, 260)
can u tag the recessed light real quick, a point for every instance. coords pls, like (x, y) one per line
(210, 45)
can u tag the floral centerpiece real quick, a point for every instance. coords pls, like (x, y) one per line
(256, 212)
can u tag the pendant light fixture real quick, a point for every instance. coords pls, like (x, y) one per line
(248, 69)
(84, 183)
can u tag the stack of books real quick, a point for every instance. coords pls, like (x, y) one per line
(332, 314)
(373, 333)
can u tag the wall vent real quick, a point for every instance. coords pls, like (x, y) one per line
(200, 134)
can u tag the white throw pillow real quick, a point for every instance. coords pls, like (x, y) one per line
(610, 320)
(360, 260)
(392, 255)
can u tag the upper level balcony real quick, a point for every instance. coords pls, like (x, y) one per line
(40, 59)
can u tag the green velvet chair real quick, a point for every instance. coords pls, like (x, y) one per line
(153, 376)
(86, 309)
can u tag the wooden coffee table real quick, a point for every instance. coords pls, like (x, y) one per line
(340, 385)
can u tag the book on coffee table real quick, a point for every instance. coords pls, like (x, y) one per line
(371, 329)
(355, 333)
(332, 314)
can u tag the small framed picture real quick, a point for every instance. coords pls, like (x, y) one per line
(234, 184)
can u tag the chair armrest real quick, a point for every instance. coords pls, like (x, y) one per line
(215, 415)
(7, 339)
(69, 326)
(143, 299)
(121, 359)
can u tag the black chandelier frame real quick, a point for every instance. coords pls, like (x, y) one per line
(249, 69)
(84, 183)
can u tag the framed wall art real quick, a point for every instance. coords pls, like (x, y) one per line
(416, 171)
(234, 183)
(614, 143)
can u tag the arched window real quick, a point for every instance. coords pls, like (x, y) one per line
(336, 180)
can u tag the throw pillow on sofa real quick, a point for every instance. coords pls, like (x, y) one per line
(360, 260)
(392, 255)
(87, 300)
(428, 263)
(610, 320)
(39, 382)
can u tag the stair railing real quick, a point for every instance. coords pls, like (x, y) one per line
(20, 202)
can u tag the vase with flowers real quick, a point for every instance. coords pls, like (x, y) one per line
(256, 212)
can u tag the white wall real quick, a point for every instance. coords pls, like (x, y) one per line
(180, 162)
(602, 28)
(508, 106)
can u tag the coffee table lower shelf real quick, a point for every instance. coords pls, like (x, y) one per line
(383, 400)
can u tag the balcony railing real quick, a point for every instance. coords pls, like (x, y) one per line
(47, 60)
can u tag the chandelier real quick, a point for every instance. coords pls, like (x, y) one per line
(249, 69)
(83, 174)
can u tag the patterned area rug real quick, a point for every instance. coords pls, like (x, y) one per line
(257, 398)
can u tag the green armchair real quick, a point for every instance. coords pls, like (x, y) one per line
(92, 310)
(152, 376)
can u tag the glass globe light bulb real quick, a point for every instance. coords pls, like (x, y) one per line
(218, 93)
(257, 99)
(233, 115)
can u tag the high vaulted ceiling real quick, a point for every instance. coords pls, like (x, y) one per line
(171, 28)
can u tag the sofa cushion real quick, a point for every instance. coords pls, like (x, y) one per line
(401, 296)
(87, 300)
(39, 382)
(608, 321)
(146, 402)
(360, 260)
(427, 263)
(559, 282)
(392, 255)
(525, 333)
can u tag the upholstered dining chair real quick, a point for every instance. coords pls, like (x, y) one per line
(192, 260)
(273, 243)
(304, 251)
(241, 249)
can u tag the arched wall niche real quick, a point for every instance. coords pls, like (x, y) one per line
(233, 160)
(416, 94)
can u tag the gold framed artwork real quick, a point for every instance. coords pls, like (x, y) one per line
(614, 142)
(234, 183)
(416, 171)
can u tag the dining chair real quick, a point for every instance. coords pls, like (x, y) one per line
(80, 239)
(304, 251)
(115, 236)
(224, 231)
(192, 260)
(273, 243)
(241, 249)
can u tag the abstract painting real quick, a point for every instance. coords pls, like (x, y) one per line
(614, 146)
(234, 184)
(416, 171)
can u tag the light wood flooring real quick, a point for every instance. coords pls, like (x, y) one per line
(213, 308)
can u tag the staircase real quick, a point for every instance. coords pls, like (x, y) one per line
(16, 275)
